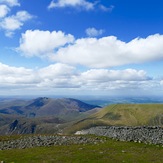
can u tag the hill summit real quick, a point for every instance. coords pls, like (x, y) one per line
(44, 106)
(41, 115)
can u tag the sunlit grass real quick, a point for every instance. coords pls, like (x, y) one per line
(110, 151)
(122, 114)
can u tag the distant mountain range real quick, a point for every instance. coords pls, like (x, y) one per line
(41, 114)
(44, 106)
(66, 115)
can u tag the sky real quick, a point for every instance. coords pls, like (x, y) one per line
(81, 47)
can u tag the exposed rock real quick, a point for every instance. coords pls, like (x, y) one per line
(38, 141)
(13, 125)
(145, 134)
(18, 127)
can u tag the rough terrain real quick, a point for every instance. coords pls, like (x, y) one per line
(145, 134)
(39, 141)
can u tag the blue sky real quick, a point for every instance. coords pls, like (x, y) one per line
(81, 47)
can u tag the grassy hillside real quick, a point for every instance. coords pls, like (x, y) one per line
(123, 114)
(111, 151)
(68, 118)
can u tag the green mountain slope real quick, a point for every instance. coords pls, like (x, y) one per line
(123, 114)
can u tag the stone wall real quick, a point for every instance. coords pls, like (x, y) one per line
(38, 141)
(145, 134)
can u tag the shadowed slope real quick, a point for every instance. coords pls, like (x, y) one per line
(41, 115)
(45, 107)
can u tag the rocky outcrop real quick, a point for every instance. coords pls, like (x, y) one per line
(145, 134)
(38, 141)
(18, 127)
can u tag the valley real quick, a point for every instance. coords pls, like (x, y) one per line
(67, 115)
(34, 129)
(41, 115)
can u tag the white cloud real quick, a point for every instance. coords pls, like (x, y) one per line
(11, 3)
(106, 9)
(105, 80)
(14, 22)
(44, 43)
(58, 69)
(10, 23)
(16, 76)
(91, 52)
(3, 10)
(23, 16)
(96, 53)
(53, 76)
(80, 4)
(60, 76)
(105, 75)
(109, 51)
(71, 3)
(161, 82)
(93, 32)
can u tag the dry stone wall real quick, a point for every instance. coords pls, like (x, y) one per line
(38, 141)
(145, 134)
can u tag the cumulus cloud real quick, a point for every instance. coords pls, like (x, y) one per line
(53, 76)
(109, 51)
(105, 80)
(44, 43)
(71, 3)
(62, 76)
(11, 3)
(58, 69)
(58, 76)
(80, 4)
(3, 10)
(99, 54)
(10, 22)
(15, 76)
(91, 52)
(105, 75)
(14, 22)
(93, 32)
